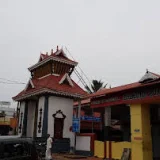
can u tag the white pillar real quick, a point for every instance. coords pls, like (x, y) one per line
(40, 116)
(21, 117)
(107, 116)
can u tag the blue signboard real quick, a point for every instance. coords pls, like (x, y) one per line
(90, 118)
(76, 125)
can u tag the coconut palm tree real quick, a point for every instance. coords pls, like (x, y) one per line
(2, 114)
(95, 86)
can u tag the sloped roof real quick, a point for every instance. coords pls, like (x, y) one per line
(50, 84)
(43, 56)
(126, 87)
(149, 76)
(59, 56)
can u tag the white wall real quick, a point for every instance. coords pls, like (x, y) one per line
(31, 118)
(40, 105)
(66, 106)
(22, 109)
(83, 143)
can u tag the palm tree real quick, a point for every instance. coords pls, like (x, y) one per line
(95, 86)
(2, 114)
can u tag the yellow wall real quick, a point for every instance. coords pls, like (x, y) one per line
(99, 149)
(141, 141)
(117, 149)
(141, 132)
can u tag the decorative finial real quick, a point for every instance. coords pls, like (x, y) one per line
(51, 51)
(57, 48)
(46, 53)
(110, 87)
(146, 70)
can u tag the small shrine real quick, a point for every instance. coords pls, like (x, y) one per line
(46, 103)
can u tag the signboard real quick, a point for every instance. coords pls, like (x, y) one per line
(137, 130)
(76, 125)
(126, 97)
(91, 118)
(138, 138)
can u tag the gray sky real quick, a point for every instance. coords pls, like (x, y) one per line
(113, 40)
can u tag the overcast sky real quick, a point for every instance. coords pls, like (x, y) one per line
(113, 40)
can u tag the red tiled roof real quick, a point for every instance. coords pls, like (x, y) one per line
(115, 89)
(57, 56)
(61, 56)
(124, 87)
(155, 74)
(121, 88)
(44, 55)
(51, 82)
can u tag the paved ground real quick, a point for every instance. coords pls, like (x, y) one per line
(73, 157)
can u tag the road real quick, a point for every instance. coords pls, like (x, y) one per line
(72, 157)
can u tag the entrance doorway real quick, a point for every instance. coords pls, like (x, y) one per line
(58, 128)
(58, 124)
(155, 130)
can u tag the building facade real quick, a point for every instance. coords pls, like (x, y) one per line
(46, 104)
(136, 107)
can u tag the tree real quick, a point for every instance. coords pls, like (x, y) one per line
(95, 86)
(2, 114)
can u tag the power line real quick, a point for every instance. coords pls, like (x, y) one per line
(78, 65)
(7, 81)
(77, 73)
(10, 83)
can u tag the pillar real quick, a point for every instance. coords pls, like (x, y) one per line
(107, 134)
(141, 132)
(24, 131)
(35, 121)
(18, 116)
(79, 114)
(107, 123)
(45, 118)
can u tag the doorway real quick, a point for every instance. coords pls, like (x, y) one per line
(155, 130)
(58, 128)
(58, 124)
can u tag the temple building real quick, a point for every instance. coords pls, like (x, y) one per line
(135, 108)
(46, 103)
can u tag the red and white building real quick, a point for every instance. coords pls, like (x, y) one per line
(46, 103)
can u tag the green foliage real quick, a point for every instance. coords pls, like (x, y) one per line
(2, 114)
(96, 86)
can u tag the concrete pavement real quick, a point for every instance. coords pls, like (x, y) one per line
(71, 157)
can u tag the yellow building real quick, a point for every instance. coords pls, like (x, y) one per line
(135, 108)
(6, 124)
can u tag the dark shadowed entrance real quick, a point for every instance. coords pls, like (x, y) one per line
(58, 124)
(58, 128)
(155, 130)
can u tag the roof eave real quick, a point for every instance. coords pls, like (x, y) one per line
(35, 93)
(54, 59)
(94, 95)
